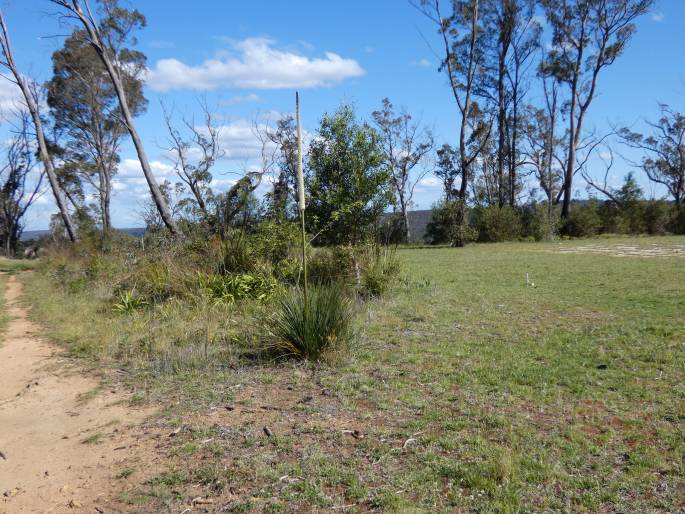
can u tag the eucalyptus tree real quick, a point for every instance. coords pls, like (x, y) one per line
(283, 194)
(30, 93)
(86, 111)
(463, 62)
(448, 171)
(664, 152)
(405, 144)
(118, 24)
(587, 37)
(543, 145)
(512, 36)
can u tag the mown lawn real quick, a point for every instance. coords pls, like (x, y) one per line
(467, 390)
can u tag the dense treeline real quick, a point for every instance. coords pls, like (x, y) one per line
(522, 74)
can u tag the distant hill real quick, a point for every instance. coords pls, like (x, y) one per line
(418, 221)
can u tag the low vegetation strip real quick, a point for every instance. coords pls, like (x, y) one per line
(488, 381)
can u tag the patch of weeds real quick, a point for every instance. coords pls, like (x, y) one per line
(213, 476)
(125, 473)
(137, 399)
(93, 439)
(169, 478)
(88, 395)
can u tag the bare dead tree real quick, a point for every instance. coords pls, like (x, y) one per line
(82, 13)
(195, 171)
(284, 192)
(29, 92)
(405, 144)
(603, 186)
(236, 200)
(20, 183)
(525, 42)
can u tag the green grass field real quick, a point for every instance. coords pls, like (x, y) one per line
(467, 390)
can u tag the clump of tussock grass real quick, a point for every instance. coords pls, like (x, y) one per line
(308, 329)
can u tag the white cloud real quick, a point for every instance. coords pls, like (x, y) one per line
(130, 168)
(424, 63)
(223, 184)
(118, 185)
(241, 99)
(430, 182)
(10, 99)
(238, 140)
(257, 65)
(658, 16)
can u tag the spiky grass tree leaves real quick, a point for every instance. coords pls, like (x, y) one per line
(308, 329)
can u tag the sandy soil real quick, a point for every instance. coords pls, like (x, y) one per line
(48, 412)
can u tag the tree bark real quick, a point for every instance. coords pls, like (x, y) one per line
(32, 106)
(93, 33)
(501, 127)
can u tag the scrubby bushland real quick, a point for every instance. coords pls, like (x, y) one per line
(538, 222)
(170, 304)
(496, 223)
(445, 226)
(367, 270)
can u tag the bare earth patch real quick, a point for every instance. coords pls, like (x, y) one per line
(622, 250)
(63, 440)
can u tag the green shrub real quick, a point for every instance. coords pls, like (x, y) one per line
(380, 269)
(276, 241)
(128, 302)
(539, 223)
(677, 224)
(331, 265)
(308, 330)
(656, 215)
(156, 281)
(240, 286)
(495, 223)
(370, 270)
(444, 227)
(584, 221)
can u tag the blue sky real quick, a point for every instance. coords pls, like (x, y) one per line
(333, 52)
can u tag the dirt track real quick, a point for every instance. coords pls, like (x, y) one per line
(64, 442)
